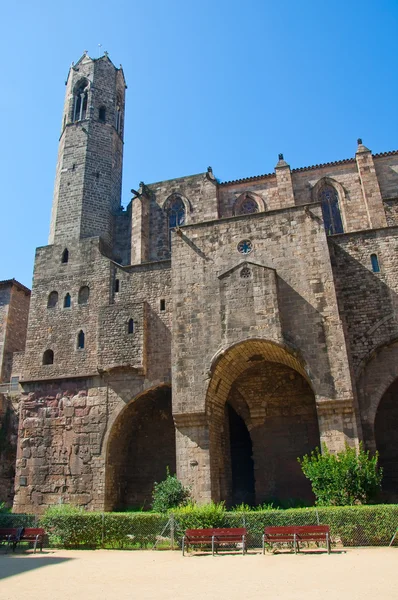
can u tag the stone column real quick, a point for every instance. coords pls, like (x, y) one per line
(284, 183)
(139, 230)
(337, 423)
(193, 454)
(370, 187)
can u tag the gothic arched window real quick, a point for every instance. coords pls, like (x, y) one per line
(175, 214)
(375, 263)
(84, 294)
(52, 300)
(329, 199)
(80, 102)
(67, 301)
(65, 256)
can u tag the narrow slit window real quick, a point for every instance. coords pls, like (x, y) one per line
(117, 286)
(375, 263)
(102, 114)
(65, 256)
(131, 326)
(48, 357)
(67, 301)
(163, 304)
(80, 340)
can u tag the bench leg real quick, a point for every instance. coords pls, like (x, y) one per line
(35, 544)
(393, 538)
(183, 544)
(243, 544)
(328, 542)
(296, 544)
(212, 545)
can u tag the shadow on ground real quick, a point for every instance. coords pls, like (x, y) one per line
(11, 564)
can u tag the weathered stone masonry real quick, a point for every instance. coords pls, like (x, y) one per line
(216, 329)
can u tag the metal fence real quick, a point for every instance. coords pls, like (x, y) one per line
(350, 526)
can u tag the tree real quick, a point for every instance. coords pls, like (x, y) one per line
(346, 478)
(169, 493)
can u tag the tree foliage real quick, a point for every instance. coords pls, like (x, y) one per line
(169, 493)
(346, 478)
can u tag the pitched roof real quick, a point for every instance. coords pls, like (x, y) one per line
(11, 282)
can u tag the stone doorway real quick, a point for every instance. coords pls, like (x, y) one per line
(141, 448)
(386, 438)
(260, 400)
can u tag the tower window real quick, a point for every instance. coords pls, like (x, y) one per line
(131, 326)
(175, 214)
(67, 301)
(65, 256)
(84, 294)
(80, 102)
(80, 340)
(117, 286)
(118, 115)
(48, 357)
(52, 300)
(375, 263)
(162, 304)
(102, 114)
(330, 210)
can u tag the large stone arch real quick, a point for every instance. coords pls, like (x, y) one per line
(267, 387)
(139, 448)
(377, 385)
(376, 374)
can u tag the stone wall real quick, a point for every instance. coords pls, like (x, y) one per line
(9, 407)
(14, 309)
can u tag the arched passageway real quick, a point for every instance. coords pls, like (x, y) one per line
(262, 417)
(141, 448)
(386, 438)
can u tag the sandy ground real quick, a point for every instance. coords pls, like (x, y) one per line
(115, 574)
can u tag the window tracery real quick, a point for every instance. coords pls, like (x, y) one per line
(329, 199)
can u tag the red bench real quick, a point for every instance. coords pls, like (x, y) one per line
(8, 535)
(14, 535)
(295, 534)
(32, 534)
(215, 537)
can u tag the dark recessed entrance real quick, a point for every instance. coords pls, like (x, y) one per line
(386, 435)
(241, 451)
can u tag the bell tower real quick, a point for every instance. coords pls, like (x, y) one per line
(87, 191)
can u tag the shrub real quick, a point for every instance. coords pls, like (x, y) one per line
(69, 526)
(168, 494)
(346, 478)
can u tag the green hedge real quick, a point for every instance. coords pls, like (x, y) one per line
(17, 520)
(70, 527)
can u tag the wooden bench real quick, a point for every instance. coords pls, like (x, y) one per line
(32, 534)
(215, 537)
(7, 535)
(294, 534)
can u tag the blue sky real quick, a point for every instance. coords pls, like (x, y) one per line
(223, 83)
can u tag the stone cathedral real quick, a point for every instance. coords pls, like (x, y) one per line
(218, 330)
